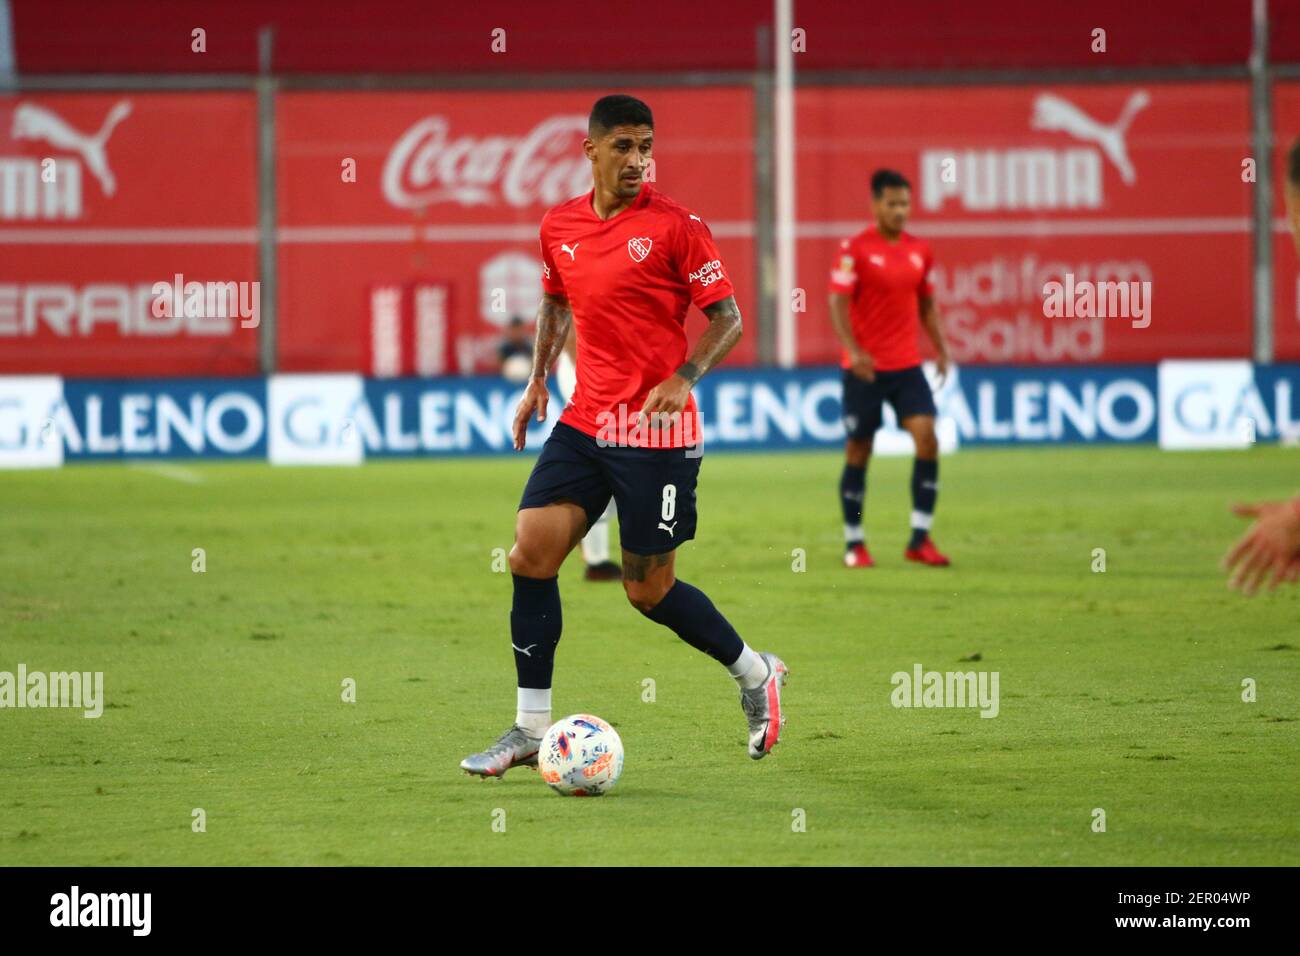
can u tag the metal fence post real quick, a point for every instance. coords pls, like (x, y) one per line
(764, 209)
(267, 246)
(1261, 101)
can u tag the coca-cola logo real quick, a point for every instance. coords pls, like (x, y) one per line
(543, 167)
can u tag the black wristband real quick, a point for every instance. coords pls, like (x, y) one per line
(689, 372)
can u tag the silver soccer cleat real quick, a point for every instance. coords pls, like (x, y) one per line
(514, 748)
(762, 707)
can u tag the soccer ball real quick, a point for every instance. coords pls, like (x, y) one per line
(581, 756)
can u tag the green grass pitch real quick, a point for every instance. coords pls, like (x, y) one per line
(1119, 690)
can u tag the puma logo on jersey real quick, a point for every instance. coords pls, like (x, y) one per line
(667, 528)
(523, 650)
(876, 260)
(696, 218)
(572, 252)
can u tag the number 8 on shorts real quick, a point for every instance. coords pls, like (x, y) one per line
(669, 503)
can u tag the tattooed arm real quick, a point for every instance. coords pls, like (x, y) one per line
(723, 332)
(553, 320)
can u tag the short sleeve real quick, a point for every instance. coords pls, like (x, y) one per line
(700, 264)
(844, 274)
(551, 281)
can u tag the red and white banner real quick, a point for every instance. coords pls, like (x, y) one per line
(384, 189)
(103, 196)
(1018, 186)
(410, 331)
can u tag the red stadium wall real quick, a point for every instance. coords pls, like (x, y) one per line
(442, 197)
(144, 186)
(1044, 182)
(451, 188)
(415, 36)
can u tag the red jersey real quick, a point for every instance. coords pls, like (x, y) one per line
(629, 280)
(887, 281)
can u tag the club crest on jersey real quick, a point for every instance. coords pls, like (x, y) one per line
(917, 260)
(638, 248)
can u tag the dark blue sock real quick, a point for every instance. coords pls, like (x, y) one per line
(853, 494)
(535, 623)
(925, 491)
(690, 613)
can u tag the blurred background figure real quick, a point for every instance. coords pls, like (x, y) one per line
(881, 295)
(516, 351)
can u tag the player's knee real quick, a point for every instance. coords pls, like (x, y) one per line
(927, 445)
(645, 595)
(519, 561)
(530, 562)
(857, 451)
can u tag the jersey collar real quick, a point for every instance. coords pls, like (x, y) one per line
(642, 199)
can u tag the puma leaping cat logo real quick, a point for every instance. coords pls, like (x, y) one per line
(37, 122)
(572, 252)
(1055, 113)
(523, 650)
(667, 528)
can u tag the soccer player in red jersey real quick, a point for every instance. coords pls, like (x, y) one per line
(622, 263)
(880, 289)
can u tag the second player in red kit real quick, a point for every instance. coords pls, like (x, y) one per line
(622, 264)
(880, 293)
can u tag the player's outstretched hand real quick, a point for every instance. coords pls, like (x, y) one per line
(535, 397)
(1270, 548)
(666, 398)
(864, 366)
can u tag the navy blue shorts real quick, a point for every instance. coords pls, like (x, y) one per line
(653, 488)
(906, 389)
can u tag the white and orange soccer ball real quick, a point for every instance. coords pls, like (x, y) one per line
(581, 756)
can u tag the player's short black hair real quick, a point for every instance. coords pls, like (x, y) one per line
(1293, 165)
(883, 179)
(618, 109)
